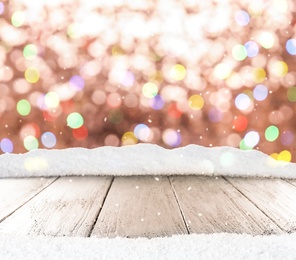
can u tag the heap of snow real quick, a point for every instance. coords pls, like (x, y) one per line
(212, 246)
(144, 159)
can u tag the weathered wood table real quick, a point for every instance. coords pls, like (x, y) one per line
(146, 206)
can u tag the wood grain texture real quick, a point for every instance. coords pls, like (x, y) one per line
(16, 192)
(293, 182)
(275, 197)
(140, 207)
(68, 207)
(212, 205)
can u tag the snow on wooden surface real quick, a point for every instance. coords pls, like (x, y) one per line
(144, 159)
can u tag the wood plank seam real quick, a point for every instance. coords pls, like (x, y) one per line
(253, 203)
(45, 187)
(97, 217)
(180, 208)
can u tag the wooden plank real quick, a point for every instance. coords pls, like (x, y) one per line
(275, 197)
(212, 205)
(140, 207)
(293, 182)
(14, 192)
(68, 207)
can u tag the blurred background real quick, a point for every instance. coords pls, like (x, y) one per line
(120, 72)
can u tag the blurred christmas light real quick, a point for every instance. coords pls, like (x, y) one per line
(252, 49)
(30, 52)
(291, 46)
(75, 120)
(48, 139)
(6, 145)
(239, 52)
(260, 92)
(149, 90)
(196, 102)
(18, 18)
(271, 133)
(242, 18)
(31, 142)
(215, 71)
(32, 75)
(23, 107)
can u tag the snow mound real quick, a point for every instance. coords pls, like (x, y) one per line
(144, 159)
(212, 246)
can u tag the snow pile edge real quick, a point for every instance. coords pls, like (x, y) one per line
(144, 159)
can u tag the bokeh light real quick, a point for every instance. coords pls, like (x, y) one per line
(48, 139)
(260, 92)
(178, 72)
(266, 40)
(196, 102)
(291, 94)
(30, 52)
(239, 52)
(129, 138)
(18, 18)
(242, 101)
(6, 145)
(116, 73)
(23, 107)
(31, 142)
(76, 82)
(291, 46)
(240, 123)
(32, 75)
(251, 139)
(271, 133)
(171, 137)
(252, 49)
(80, 133)
(149, 90)
(142, 132)
(75, 120)
(242, 18)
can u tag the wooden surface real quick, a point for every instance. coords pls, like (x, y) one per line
(276, 198)
(16, 192)
(140, 206)
(146, 206)
(68, 207)
(211, 204)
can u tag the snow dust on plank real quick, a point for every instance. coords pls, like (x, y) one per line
(140, 206)
(275, 197)
(68, 207)
(212, 205)
(14, 193)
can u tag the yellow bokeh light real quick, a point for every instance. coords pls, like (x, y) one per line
(117, 51)
(285, 156)
(156, 77)
(32, 75)
(178, 72)
(222, 71)
(196, 102)
(258, 75)
(129, 138)
(280, 68)
(274, 156)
